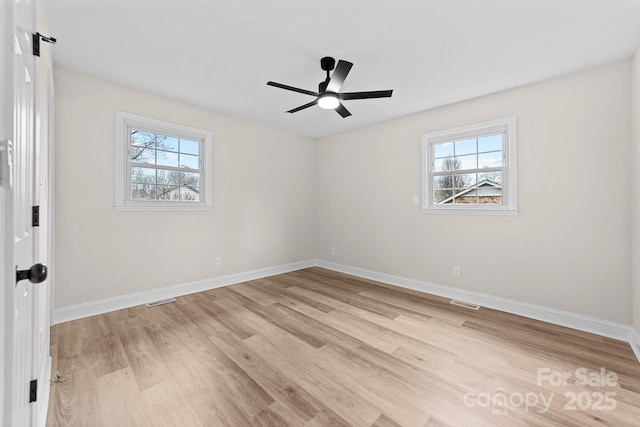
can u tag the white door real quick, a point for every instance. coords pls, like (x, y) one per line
(21, 242)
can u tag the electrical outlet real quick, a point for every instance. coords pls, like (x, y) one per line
(217, 262)
(333, 250)
(456, 271)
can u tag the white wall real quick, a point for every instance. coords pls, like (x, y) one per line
(635, 187)
(569, 247)
(263, 196)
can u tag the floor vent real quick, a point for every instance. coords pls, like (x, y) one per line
(160, 302)
(465, 304)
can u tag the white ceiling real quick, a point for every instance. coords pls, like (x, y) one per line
(221, 53)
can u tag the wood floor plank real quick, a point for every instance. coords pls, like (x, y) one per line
(228, 378)
(352, 408)
(339, 293)
(142, 355)
(319, 348)
(192, 378)
(168, 406)
(327, 419)
(368, 335)
(219, 410)
(277, 319)
(275, 415)
(107, 354)
(417, 304)
(282, 289)
(121, 403)
(203, 312)
(75, 400)
(277, 383)
(384, 421)
(388, 394)
(256, 291)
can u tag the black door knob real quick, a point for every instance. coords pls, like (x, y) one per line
(36, 274)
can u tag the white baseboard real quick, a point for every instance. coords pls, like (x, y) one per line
(44, 390)
(66, 314)
(558, 317)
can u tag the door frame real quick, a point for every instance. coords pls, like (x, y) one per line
(51, 191)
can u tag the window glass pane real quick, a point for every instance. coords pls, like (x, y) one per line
(489, 194)
(465, 199)
(189, 161)
(142, 155)
(445, 181)
(143, 192)
(190, 179)
(490, 143)
(466, 146)
(441, 196)
(166, 191)
(446, 164)
(467, 162)
(167, 158)
(189, 194)
(464, 181)
(490, 200)
(490, 160)
(143, 175)
(168, 178)
(167, 143)
(495, 177)
(189, 147)
(443, 150)
(141, 138)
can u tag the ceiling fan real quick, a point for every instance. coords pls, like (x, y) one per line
(329, 96)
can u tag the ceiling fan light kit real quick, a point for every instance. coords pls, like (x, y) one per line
(328, 96)
(328, 101)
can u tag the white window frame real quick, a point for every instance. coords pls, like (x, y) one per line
(509, 205)
(123, 202)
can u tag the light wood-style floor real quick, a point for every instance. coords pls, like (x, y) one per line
(320, 348)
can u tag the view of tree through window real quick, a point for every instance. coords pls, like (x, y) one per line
(164, 167)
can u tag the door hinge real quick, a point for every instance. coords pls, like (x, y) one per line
(33, 391)
(35, 216)
(36, 42)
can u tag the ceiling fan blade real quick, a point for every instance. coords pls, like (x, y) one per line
(367, 95)
(343, 111)
(294, 89)
(338, 76)
(302, 107)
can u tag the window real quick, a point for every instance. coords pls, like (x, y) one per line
(471, 169)
(161, 165)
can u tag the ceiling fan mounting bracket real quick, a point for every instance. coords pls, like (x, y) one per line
(327, 63)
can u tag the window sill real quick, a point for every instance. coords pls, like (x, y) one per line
(471, 211)
(161, 208)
